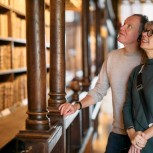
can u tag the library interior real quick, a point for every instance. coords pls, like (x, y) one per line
(51, 52)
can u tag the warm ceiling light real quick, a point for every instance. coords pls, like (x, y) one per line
(76, 3)
(142, 1)
(131, 1)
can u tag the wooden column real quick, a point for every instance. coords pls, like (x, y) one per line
(86, 61)
(36, 66)
(75, 138)
(57, 55)
(57, 67)
(86, 113)
(116, 21)
(98, 39)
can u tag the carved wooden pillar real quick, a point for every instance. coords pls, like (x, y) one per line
(86, 113)
(116, 22)
(98, 39)
(75, 139)
(36, 66)
(86, 61)
(57, 66)
(57, 55)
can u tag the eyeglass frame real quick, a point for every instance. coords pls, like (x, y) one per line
(149, 32)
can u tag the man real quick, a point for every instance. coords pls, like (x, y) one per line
(115, 73)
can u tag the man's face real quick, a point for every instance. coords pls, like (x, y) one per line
(129, 31)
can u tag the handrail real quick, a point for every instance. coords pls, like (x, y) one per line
(69, 119)
(96, 110)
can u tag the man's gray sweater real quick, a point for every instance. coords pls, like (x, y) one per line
(115, 73)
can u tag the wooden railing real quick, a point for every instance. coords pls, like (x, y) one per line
(46, 130)
(76, 141)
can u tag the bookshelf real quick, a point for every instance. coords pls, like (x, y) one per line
(13, 79)
(13, 71)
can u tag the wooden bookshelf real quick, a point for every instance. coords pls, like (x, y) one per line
(13, 77)
(18, 117)
(47, 22)
(13, 40)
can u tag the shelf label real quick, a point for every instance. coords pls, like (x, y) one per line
(5, 112)
(24, 102)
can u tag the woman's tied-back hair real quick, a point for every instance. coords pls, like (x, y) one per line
(143, 21)
(149, 24)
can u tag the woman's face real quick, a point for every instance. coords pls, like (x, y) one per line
(147, 38)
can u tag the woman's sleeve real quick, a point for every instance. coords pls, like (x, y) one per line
(128, 105)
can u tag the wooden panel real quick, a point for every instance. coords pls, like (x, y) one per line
(11, 124)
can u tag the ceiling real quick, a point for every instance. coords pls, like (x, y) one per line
(76, 4)
(73, 5)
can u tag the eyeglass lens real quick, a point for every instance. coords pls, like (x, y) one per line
(149, 32)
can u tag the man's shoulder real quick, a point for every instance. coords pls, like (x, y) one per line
(115, 52)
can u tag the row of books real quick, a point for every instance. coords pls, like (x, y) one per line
(20, 88)
(13, 92)
(6, 95)
(12, 27)
(5, 57)
(15, 4)
(19, 57)
(4, 25)
(18, 26)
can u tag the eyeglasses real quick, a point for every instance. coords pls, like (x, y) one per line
(149, 32)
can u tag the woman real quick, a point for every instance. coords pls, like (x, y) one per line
(136, 123)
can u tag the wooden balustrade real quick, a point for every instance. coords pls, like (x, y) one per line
(46, 131)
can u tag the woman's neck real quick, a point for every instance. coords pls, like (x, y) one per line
(149, 54)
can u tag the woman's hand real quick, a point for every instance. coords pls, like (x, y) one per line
(133, 150)
(139, 141)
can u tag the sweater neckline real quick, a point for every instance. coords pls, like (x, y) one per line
(150, 61)
(128, 54)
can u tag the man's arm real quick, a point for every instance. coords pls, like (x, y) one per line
(94, 95)
(68, 108)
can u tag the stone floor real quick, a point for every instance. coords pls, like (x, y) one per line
(105, 120)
